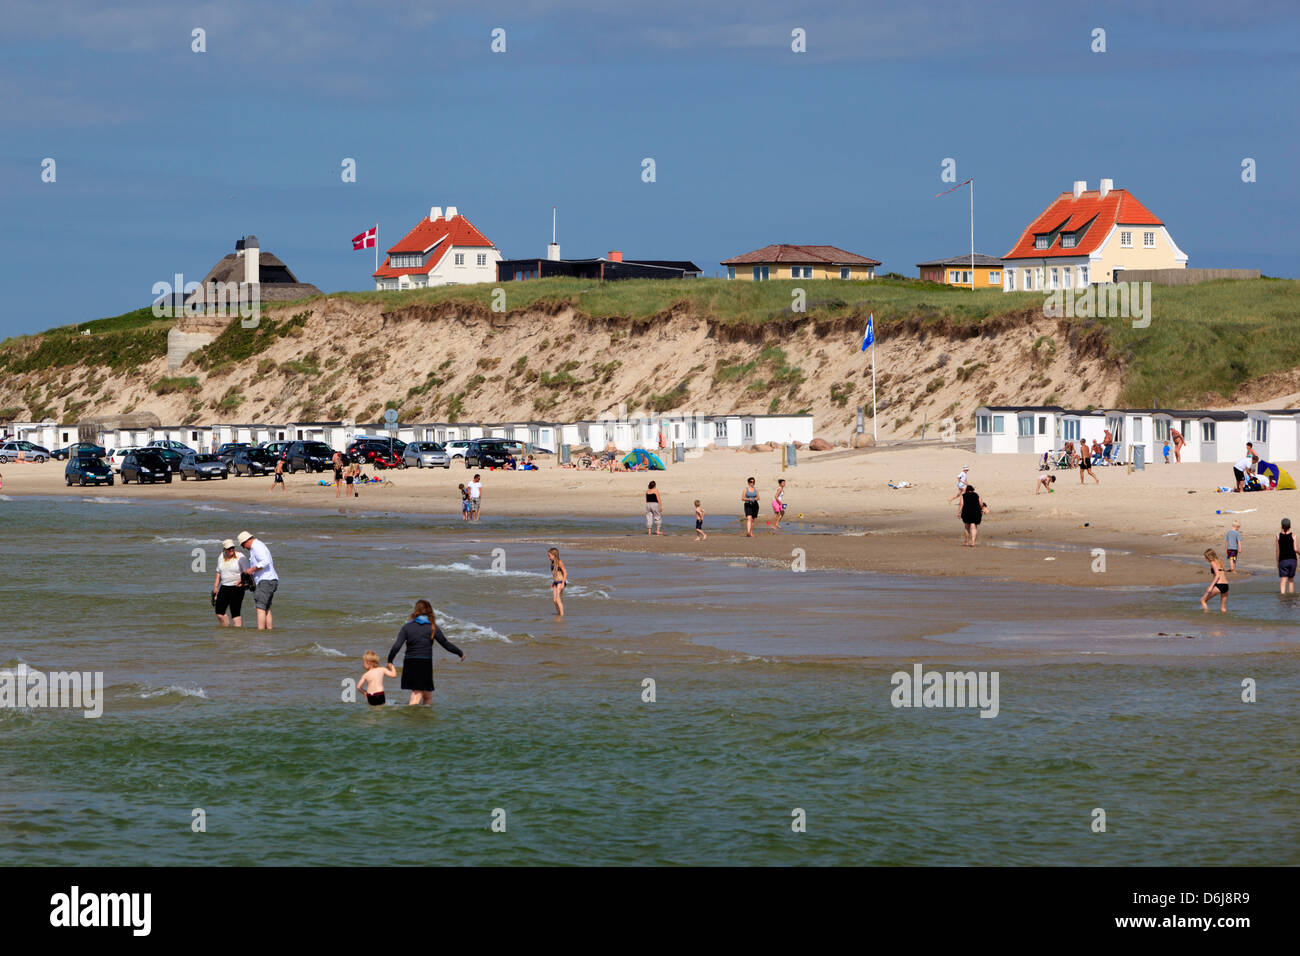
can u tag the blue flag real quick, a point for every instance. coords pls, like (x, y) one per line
(870, 337)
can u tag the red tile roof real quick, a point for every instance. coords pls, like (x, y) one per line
(457, 231)
(1067, 214)
(801, 255)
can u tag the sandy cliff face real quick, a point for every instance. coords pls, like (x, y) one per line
(346, 359)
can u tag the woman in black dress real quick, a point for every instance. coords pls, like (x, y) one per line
(972, 510)
(418, 634)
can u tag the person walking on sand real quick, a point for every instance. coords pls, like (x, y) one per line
(278, 480)
(265, 580)
(228, 588)
(338, 474)
(654, 510)
(699, 521)
(559, 580)
(352, 476)
(972, 512)
(1218, 580)
(1085, 463)
(1285, 551)
(749, 498)
(961, 484)
(1232, 544)
(1179, 441)
(1045, 481)
(418, 634)
(778, 505)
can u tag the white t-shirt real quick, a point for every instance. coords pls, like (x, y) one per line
(231, 568)
(259, 556)
(475, 487)
(1244, 464)
(961, 481)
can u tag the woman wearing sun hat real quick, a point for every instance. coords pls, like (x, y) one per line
(228, 587)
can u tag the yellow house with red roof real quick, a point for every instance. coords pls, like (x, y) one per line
(443, 249)
(785, 261)
(1085, 237)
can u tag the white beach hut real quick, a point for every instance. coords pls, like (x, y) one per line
(1019, 429)
(1275, 433)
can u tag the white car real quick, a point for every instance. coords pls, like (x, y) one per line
(455, 449)
(115, 457)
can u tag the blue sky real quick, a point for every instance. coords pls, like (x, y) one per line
(165, 156)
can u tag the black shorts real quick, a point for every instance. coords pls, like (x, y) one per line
(230, 597)
(751, 509)
(1085, 463)
(1238, 474)
(348, 479)
(279, 479)
(699, 523)
(417, 674)
(1223, 588)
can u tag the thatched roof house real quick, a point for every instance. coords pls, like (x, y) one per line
(249, 265)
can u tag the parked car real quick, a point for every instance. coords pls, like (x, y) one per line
(456, 448)
(197, 465)
(10, 451)
(307, 456)
(373, 452)
(117, 455)
(485, 453)
(169, 455)
(176, 446)
(426, 454)
(145, 464)
(87, 470)
(227, 451)
(276, 448)
(79, 448)
(253, 461)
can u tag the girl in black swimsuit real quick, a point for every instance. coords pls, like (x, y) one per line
(1219, 581)
(559, 579)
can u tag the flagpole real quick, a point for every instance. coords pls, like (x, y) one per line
(873, 389)
(376, 247)
(972, 233)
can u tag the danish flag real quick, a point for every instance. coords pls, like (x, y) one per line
(367, 239)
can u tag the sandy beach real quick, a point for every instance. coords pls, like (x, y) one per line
(1153, 524)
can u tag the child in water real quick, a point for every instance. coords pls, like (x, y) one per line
(1219, 581)
(1233, 545)
(559, 579)
(464, 502)
(372, 681)
(699, 521)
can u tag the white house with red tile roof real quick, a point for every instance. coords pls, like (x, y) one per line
(785, 261)
(444, 249)
(1087, 237)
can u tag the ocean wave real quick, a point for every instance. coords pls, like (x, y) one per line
(315, 649)
(171, 691)
(388, 617)
(459, 567)
(108, 501)
(746, 659)
(192, 542)
(5, 498)
(468, 630)
(209, 508)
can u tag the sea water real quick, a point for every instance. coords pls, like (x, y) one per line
(687, 710)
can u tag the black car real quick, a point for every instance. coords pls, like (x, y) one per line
(307, 456)
(375, 453)
(276, 448)
(227, 452)
(147, 464)
(87, 470)
(482, 453)
(170, 456)
(79, 448)
(197, 465)
(253, 461)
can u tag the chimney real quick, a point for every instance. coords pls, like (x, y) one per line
(435, 213)
(615, 256)
(1106, 186)
(252, 261)
(553, 250)
(451, 212)
(1080, 187)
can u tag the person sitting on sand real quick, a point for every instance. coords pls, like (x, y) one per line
(371, 683)
(1218, 580)
(1045, 481)
(1096, 452)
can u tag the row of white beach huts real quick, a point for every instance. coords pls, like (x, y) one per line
(693, 432)
(1213, 436)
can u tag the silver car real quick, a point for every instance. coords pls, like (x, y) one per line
(426, 454)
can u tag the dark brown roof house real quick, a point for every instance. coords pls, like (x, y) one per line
(248, 265)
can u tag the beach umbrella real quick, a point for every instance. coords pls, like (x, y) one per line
(1278, 477)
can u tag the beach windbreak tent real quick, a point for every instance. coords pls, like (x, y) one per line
(1278, 477)
(637, 455)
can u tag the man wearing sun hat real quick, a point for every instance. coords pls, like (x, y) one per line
(265, 580)
(961, 484)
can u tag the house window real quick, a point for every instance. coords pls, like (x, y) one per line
(1042, 424)
(952, 276)
(995, 277)
(1056, 279)
(1207, 431)
(1065, 274)
(999, 422)
(845, 272)
(760, 273)
(1026, 426)
(1260, 431)
(794, 272)
(1011, 280)
(1068, 242)
(719, 429)
(1040, 242)
(482, 258)
(1072, 426)
(747, 429)
(1029, 280)
(460, 258)
(983, 424)
(1148, 240)
(731, 272)
(1083, 275)
(1126, 240)
(807, 272)
(692, 430)
(1162, 429)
